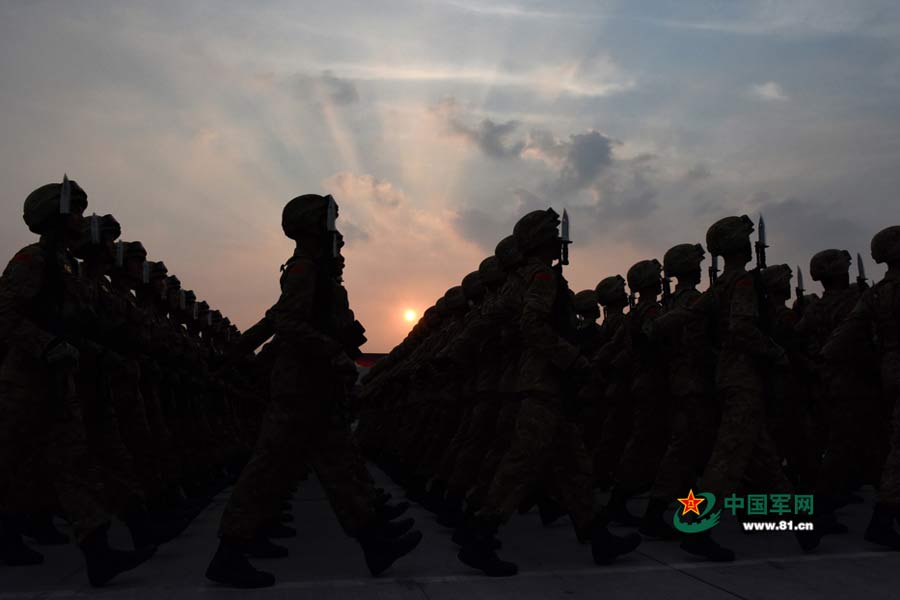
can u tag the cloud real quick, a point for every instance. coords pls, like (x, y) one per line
(325, 85)
(769, 91)
(580, 160)
(697, 173)
(490, 137)
(364, 188)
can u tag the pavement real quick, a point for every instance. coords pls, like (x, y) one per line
(325, 564)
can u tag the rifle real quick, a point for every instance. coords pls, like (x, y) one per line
(801, 299)
(667, 290)
(713, 271)
(566, 240)
(861, 273)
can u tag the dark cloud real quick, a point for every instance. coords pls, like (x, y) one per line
(697, 173)
(481, 227)
(326, 84)
(490, 137)
(353, 233)
(627, 192)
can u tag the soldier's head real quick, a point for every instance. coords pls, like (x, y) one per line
(310, 220)
(886, 246)
(777, 279)
(455, 300)
(586, 305)
(97, 242)
(187, 306)
(683, 261)
(56, 210)
(831, 267)
(537, 235)
(644, 277)
(508, 254)
(130, 259)
(611, 292)
(173, 293)
(730, 239)
(158, 276)
(490, 272)
(473, 288)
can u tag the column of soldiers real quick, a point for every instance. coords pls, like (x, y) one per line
(508, 393)
(111, 404)
(121, 395)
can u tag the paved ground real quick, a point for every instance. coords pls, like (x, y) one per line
(326, 565)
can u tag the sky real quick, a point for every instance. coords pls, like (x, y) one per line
(435, 124)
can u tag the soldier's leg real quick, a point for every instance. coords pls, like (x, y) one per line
(887, 503)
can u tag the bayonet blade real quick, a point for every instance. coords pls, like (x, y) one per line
(762, 230)
(800, 285)
(95, 229)
(65, 196)
(564, 227)
(860, 267)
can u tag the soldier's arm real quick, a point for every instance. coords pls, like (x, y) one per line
(537, 331)
(743, 322)
(292, 317)
(853, 334)
(19, 286)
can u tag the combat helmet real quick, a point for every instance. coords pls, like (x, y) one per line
(44, 205)
(586, 302)
(508, 253)
(829, 263)
(683, 259)
(886, 245)
(610, 290)
(536, 229)
(729, 235)
(644, 274)
(490, 272)
(309, 214)
(472, 287)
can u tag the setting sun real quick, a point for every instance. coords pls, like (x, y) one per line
(409, 315)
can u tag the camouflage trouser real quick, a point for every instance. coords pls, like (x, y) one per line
(123, 491)
(124, 384)
(545, 444)
(889, 490)
(29, 425)
(481, 427)
(690, 442)
(648, 440)
(743, 447)
(503, 433)
(299, 427)
(614, 434)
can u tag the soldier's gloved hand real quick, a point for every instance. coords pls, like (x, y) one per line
(60, 352)
(782, 361)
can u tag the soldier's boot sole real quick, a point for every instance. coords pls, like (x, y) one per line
(105, 564)
(483, 558)
(261, 547)
(606, 547)
(230, 567)
(381, 553)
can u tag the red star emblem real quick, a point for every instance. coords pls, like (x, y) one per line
(691, 503)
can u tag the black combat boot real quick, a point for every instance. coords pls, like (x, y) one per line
(395, 529)
(433, 500)
(465, 531)
(104, 563)
(147, 531)
(13, 550)
(41, 529)
(702, 544)
(617, 510)
(230, 566)
(262, 547)
(606, 547)
(381, 552)
(479, 551)
(550, 511)
(415, 489)
(389, 512)
(451, 513)
(278, 531)
(653, 525)
(382, 497)
(881, 528)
